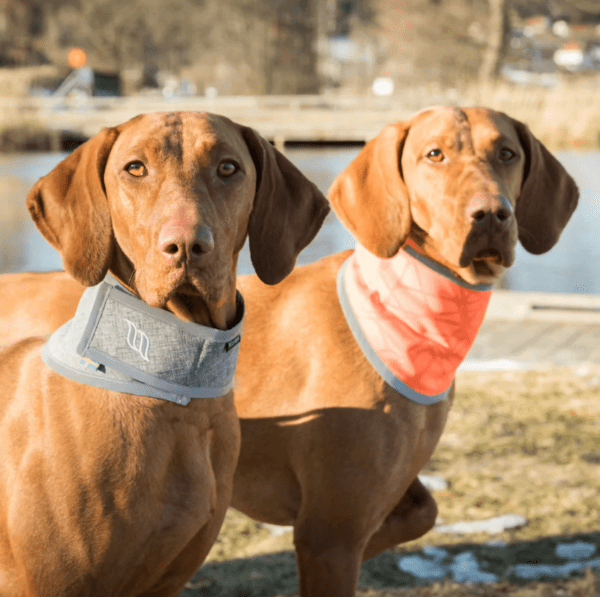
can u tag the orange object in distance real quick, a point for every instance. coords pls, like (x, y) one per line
(76, 57)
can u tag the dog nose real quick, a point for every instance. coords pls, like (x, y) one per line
(178, 243)
(488, 210)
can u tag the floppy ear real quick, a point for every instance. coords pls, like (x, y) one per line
(70, 209)
(370, 197)
(548, 195)
(287, 214)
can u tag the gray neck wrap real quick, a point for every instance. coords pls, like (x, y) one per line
(118, 342)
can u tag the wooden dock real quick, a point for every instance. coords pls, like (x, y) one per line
(563, 115)
(281, 119)
(527, 330)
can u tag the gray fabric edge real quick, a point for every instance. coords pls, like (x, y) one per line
(122, 295)
(138, 382)
(107, 384)
(125, 387)
(199, 331)
(152, 380)
(372, 356)
(444, 271)
(103, 293)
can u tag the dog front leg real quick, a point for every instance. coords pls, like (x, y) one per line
(328, 560)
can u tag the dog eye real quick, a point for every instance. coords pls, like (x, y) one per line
(227, 168)
(506, 154)
(136, 169)
(435, 155)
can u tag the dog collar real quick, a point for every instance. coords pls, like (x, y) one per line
(118, 342)
(413, 318)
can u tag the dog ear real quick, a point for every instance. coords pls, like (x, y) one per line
(370, 197)
(287, 214)
(70, 209)
(548, 195)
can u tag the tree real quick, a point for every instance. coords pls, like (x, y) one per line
(498, 27)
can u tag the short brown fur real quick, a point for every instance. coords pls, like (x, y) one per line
(327, 446)
(103, 493)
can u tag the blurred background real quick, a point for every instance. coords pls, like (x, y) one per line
(233, 47)
(316, 77)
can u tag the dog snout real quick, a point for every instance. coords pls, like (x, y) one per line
(487, 210)
(180, 243)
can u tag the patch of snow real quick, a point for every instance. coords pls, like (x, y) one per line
(575, 551)
(491, 525)
(421, 567)
(433, 483)
(536, 571)
(276, 530)
(465, 569)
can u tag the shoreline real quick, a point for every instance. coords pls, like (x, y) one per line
(37, 138)
(564, 117)
(283, 120)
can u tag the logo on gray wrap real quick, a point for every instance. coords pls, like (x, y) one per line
(137, 340)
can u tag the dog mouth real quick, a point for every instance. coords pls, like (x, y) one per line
(211, 303)
(489, 255)
(485, 265)
(178, 294)
(488, 264)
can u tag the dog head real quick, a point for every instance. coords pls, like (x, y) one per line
(464, 184)
(165, 202)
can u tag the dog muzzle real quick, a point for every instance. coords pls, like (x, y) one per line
(118, 342)
(413, 318)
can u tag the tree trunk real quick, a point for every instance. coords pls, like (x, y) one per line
(497, 36)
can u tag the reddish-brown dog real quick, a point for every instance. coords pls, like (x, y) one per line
(327, 445)
(105, 493)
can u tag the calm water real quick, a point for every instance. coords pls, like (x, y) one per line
(573, 265)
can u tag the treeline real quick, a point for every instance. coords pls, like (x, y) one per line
(274, 46)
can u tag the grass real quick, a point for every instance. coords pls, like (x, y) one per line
(515, 443)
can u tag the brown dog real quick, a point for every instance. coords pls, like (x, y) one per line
(107, 493)
(327, 445)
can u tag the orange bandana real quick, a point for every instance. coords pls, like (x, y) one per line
(413, 318)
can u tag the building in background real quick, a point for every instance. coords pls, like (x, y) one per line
(230, 47)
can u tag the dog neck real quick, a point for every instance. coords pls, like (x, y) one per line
(117, 342)
(413, 318)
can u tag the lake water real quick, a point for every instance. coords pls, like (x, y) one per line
(573, 265)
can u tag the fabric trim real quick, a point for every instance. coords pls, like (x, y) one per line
(118, 342)
(444, 271)
(388, 376)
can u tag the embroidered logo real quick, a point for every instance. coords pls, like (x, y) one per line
(137, 340)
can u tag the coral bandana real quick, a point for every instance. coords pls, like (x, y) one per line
(413, 318)
(118, 342)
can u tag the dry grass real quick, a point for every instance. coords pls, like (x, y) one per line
(586, 586)
(564, 117)
(523, 443)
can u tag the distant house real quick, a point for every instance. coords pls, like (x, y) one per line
(540, 47)
(570, 56)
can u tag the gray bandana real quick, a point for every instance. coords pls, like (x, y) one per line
(118, 342)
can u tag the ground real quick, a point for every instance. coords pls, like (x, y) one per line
(521, 443)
